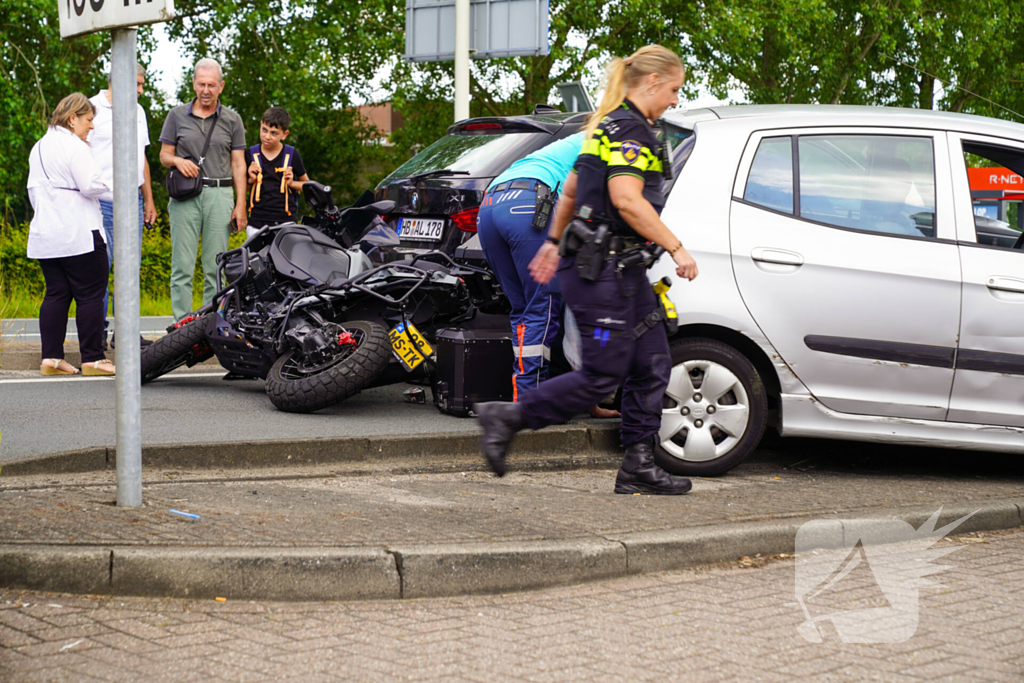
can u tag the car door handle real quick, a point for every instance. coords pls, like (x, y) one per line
(780, 256)
(1005, 284)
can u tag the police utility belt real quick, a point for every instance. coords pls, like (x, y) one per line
(593, 245)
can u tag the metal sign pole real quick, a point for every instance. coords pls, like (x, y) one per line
(461, 60)
(127, 381)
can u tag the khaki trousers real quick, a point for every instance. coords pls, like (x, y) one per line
(206, 217)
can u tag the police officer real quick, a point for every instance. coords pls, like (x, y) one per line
(608, 208)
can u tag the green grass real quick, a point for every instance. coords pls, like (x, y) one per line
(17, 304)
(22, 285)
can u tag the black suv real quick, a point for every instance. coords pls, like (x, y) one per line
(438, 192)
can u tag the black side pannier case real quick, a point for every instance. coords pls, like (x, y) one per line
(473, 366)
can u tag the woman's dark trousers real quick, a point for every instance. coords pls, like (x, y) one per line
(607, 311)
(84, 279)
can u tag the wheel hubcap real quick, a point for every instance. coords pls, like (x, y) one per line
(705, 412)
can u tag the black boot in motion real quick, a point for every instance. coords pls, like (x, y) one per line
(500, 421)
(639, 474)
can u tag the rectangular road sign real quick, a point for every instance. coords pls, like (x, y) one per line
(498, 28)
(88, 16)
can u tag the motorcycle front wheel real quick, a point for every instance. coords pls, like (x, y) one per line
(295, 385)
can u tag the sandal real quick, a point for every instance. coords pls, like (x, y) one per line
(57, 366)
(99, 367)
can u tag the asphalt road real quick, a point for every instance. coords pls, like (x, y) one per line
(40, 415)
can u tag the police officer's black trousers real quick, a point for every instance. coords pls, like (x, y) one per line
(607, 311)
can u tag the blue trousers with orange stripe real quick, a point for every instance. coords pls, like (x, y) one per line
(510, 242)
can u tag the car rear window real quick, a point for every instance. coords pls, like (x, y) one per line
(479, 156)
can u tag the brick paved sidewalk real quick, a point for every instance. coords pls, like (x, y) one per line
(723, 623)
(323, 507)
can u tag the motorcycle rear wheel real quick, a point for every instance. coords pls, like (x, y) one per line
(294, 389)
(184, 345)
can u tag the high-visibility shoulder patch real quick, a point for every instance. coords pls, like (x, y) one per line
(631, 151)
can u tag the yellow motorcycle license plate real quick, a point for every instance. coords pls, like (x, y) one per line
(409, 345)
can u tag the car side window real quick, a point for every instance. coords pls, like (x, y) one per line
(770, 181)
(875, 183)
(998, 220)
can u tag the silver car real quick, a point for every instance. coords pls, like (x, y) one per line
(844, 291)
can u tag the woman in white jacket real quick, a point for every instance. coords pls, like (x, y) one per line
(66, 236)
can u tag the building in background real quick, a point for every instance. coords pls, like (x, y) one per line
(382, 117)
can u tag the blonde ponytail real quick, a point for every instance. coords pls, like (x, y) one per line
(622, 75)
(614, 94)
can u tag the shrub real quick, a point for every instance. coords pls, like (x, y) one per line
(22, 279)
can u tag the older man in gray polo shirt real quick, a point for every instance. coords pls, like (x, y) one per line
(212, 213)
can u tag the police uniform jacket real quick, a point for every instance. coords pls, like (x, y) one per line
(624, 143)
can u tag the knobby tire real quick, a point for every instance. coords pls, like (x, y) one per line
(176, 348)
(336, 383)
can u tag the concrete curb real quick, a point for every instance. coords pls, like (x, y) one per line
(439, 570)
(16, 357)
(562, 442)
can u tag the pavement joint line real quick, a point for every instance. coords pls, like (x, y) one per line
(426, 570)
(401, 573)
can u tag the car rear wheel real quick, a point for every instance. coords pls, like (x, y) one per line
(714, 411)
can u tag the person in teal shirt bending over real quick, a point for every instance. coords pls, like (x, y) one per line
(510, 236)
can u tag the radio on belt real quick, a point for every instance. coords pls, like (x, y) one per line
(545, 204)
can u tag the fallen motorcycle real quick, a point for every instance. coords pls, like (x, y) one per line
(323, 310)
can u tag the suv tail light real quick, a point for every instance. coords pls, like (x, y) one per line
(484, 126)
(466, 220)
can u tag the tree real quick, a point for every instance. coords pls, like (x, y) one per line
(37, 70)
(317, 58)
(311, 57)
(792, 51)
(883, 52)
(968, 52)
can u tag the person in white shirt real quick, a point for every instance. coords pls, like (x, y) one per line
(66, 236)
(101, 142)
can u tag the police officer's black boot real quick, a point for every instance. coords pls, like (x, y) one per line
(639, 474)
(500, 421)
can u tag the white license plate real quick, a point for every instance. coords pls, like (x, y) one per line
(420, 229)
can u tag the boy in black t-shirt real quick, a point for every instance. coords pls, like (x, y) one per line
(276, 174)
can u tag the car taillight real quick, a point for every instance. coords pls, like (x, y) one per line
(466, 220)
(483, 126)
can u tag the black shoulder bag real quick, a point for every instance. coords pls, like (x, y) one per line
(181, 187)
